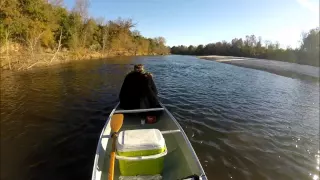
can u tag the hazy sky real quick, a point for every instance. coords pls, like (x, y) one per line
(204, 21)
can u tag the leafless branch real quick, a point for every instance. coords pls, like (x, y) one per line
(39, 62)
(7, 34)
(57, 48)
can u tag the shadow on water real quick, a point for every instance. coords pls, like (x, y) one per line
(243, 123)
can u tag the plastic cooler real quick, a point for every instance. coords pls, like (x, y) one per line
(140, 152)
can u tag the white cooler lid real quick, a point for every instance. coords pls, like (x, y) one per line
(140, 139)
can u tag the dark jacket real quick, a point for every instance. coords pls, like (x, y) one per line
(138, 91)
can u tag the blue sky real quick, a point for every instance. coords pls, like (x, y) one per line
(185, 22)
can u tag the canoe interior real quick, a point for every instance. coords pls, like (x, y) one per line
(180, 161)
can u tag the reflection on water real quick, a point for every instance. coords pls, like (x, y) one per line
(316, 176)
(243, 123)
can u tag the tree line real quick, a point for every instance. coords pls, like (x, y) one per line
(307, 53)
(39, 26)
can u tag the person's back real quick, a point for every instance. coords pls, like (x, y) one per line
(132, 90)
(138, 90)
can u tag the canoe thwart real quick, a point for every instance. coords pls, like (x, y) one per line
(162, 132)
(170, 131)
(138, 110)
(106, 136)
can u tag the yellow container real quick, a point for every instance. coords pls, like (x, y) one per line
(141, 152)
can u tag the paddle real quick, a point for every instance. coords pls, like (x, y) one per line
(116, 123)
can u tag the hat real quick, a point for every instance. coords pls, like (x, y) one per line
(138, 67)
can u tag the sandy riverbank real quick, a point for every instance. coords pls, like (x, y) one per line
(276, 67)
(221, 58)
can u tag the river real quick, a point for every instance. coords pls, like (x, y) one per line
(243, 123)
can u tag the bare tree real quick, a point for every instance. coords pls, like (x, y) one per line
(100, 21)
(58, 48)
(7, 35)
(82, 7)
(105, 35)
(104, 31)
(32, 40)
(32, 43)
(55, 2)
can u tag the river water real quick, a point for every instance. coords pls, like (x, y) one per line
(243, 123)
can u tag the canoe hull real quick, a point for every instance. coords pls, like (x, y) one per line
(181, 160)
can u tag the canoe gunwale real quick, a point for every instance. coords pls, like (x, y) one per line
(96, 158)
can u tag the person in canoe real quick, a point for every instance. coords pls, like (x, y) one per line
(138, 90)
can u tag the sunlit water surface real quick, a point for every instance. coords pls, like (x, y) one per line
(243, 123)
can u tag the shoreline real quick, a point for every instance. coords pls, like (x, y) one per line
(19, 62)
(287, 69)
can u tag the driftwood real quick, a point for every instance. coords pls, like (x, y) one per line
(32, 44)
